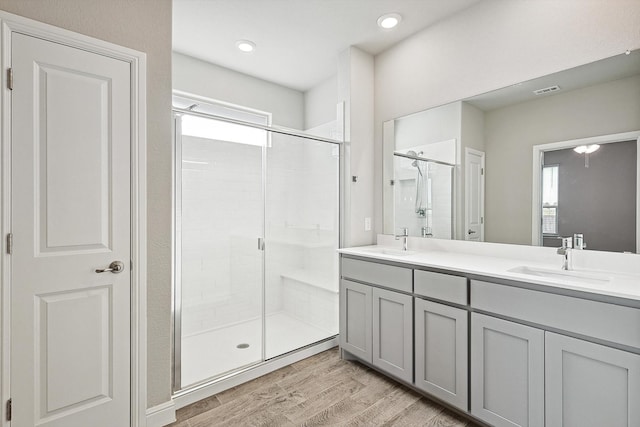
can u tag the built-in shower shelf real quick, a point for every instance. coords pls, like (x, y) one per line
(312, 278)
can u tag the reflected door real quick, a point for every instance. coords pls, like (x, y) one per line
(474, 195)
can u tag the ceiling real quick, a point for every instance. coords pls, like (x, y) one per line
(297, 41)
(606, 70)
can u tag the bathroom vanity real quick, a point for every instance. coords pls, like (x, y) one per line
(499, 332)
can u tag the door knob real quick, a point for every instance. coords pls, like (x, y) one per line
(471, 231)
(115, 267)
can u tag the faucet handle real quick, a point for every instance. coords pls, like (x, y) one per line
(567, 242)
(405, 233)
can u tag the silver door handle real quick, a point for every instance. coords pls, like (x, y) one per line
(115, 267)
(471, 232)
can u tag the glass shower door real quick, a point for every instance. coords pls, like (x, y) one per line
(302, 236)
(219, 217)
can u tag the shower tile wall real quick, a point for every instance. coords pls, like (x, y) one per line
(405, 194)
(221, 221)
(301, 224)
(222, 275)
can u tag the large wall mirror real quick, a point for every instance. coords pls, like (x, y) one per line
(526, 164)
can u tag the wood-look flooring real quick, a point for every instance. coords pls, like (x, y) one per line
(320, 390)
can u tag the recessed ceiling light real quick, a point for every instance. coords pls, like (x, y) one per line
(246, 46)
(389, 20)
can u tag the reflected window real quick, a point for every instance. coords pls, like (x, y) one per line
(550, 200)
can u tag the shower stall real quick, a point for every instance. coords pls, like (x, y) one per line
(423, 195)
(256, 233)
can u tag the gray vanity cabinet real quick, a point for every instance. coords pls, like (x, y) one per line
(376, 322)
(590, 385)
(507, 372)
(441, 352)
(355, 319)
(393, 333)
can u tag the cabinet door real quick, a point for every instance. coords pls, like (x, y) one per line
(441, 352)
(355, 319)
(393, 333)
(507, 372)
(590, 385)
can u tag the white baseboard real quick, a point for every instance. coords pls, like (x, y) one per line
(161, 415)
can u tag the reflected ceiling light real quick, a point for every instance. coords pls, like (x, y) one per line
(389, 20)
(246, 46)
(586, 149)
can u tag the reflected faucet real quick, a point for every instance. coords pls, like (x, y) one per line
(578, 241)
(426, 231)
(405, 236)
(565, 251)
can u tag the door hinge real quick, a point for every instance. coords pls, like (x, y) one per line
(10, 78)
(9, 243)
(481, 171)
(260, 244)
(481, 220)
(8, 410)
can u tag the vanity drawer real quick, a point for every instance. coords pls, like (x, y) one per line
(440, 286)
(610, 322)
(389, 276)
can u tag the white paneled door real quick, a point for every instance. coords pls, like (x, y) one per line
(474, 195)
(71, 217)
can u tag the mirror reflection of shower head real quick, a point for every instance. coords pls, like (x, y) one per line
(415, 161)
(414, 154)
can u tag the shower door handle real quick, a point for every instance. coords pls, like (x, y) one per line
(260, 244)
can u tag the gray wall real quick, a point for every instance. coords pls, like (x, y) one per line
(202, 78)
(144, 25)
(511, 132)
(491, 45)
(598, 201)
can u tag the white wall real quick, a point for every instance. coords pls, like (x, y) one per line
(144, 25)
(320, 103)
(491, 45)
(202, 78)
(355, 89)
(428, 127)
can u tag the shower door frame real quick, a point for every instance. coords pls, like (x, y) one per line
(176, 300)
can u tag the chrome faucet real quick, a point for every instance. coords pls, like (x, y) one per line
(578, 241)
(426, 231)
(405, 236)
(565, 251)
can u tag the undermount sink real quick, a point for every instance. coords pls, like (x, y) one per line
(574, 276)
(391, 251)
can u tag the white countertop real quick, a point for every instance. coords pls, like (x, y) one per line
(602, 282)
